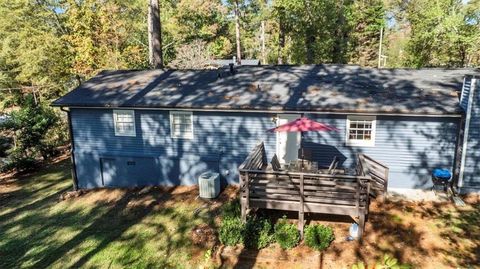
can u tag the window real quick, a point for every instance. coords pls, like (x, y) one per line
(124, 122)
(181, 124)
(361, 130)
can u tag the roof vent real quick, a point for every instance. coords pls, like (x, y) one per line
(232, 70)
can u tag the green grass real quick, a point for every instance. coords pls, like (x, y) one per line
(135, 230)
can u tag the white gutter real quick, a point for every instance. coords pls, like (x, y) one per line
(273, 111)
(473, 85)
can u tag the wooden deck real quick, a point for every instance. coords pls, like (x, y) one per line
(338, 194)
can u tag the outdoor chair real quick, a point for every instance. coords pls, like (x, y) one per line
(276, 166)
(333, 165)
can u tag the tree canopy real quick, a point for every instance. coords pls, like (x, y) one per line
(51, 45)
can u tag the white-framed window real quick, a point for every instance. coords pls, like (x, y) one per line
(124, 122)
(181, 124)
(361, 130)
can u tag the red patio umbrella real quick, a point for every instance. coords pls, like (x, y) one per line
(301, 125)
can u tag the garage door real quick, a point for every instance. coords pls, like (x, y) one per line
(129, 171)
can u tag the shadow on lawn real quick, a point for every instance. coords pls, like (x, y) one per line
(39, 231)
(414, 242)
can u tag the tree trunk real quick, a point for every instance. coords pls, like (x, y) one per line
(155, 55)
(281, 35)
(262, 37)
(237, 32)
(338, 53)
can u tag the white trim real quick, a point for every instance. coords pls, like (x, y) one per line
(473, 85)
(459, 115)
(289, 118)
(360, 143)
(129, 112)
(184, 136)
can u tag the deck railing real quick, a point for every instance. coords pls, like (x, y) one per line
(339, 194)
(378, 173)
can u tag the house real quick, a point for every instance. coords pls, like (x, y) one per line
(133, 128)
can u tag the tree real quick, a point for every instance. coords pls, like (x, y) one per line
(192, 56)
(367, 20)
(208, 18)
(155, 54)
(30, 126)
(440, 33)
(236, 11)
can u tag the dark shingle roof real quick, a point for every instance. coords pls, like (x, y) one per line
(326, 88)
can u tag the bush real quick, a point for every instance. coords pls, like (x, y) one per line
(231, 231)
(318, 237)
(286, 234)
(258, 233)
(5, 145)
(37, 129)
(18, 162)
(231, 209)
(387, 262)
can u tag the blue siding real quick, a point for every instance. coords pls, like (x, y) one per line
(221, 142)
(410, 146)
(471, 178)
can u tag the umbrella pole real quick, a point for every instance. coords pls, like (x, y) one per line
(303, 155)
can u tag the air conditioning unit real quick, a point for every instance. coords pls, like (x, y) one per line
(209, 185)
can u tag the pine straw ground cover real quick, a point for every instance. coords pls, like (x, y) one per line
(164, 227)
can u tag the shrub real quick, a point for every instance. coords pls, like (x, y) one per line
(286, 234)
(318, 237)
(386, 263)
(5, 145)
(18, 162)
(37, 130)
(258, 233)
(231, 209)
(231, 231)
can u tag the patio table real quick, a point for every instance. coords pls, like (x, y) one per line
(312, 167)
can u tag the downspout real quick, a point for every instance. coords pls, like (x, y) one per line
(465, 133)
(72, 149)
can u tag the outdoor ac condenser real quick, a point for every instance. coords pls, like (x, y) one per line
(209, 185)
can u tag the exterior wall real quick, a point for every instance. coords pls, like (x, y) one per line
(471, 177)
(221, 142)
(410, 146)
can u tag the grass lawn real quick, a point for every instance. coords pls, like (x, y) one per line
(100, 229)
(151, 227)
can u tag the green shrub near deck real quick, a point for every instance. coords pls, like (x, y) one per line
(318, 236)
(231, 209)
(231, 231)
(286, 234)
(258, 233)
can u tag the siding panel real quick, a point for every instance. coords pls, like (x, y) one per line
(411, 147)
(221, 142)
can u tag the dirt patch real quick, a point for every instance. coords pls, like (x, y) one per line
(204, 236)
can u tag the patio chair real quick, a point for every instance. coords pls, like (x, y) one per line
(333, 165)
(276, 166)
(306, 153)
